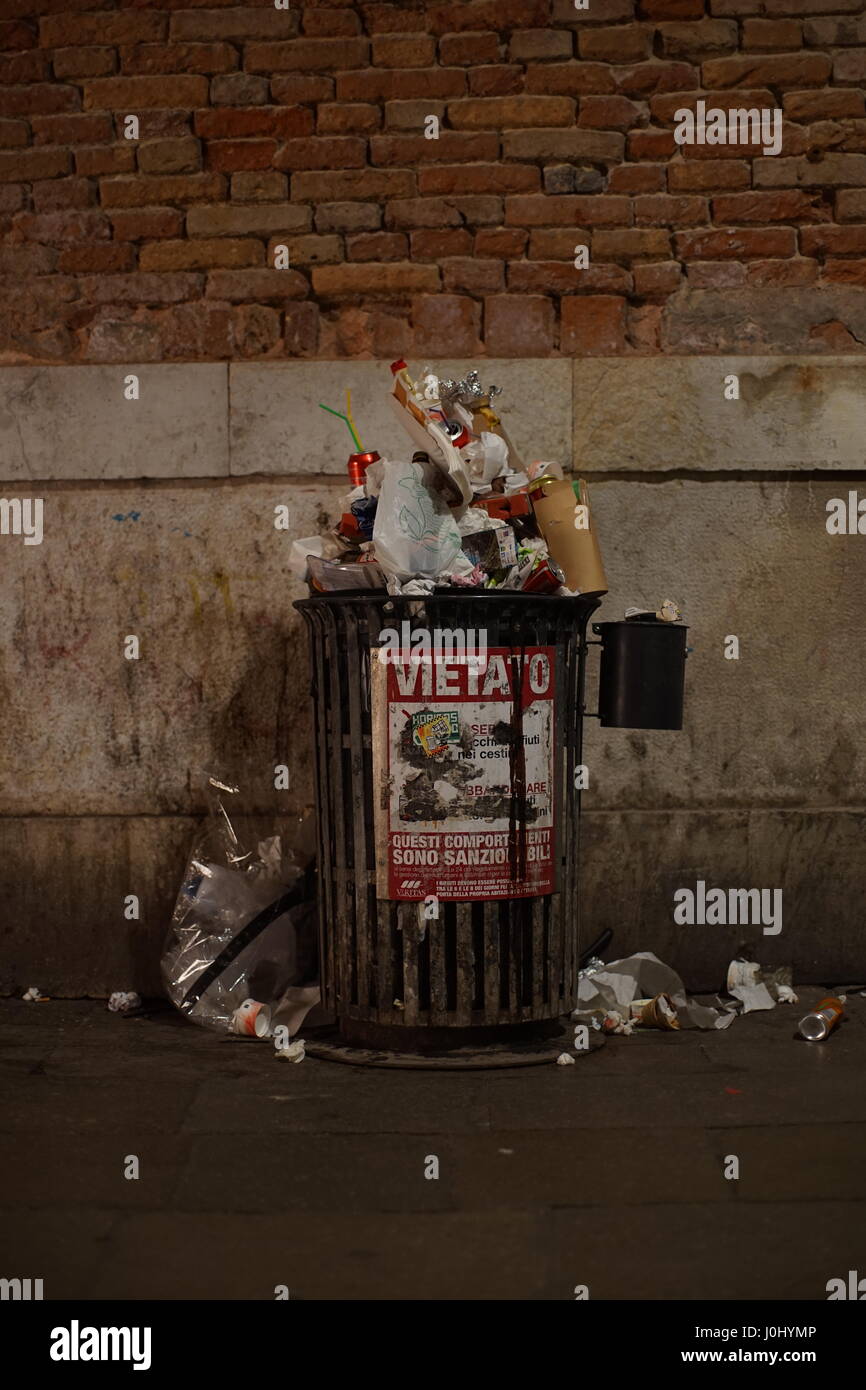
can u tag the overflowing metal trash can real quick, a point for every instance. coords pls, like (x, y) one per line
(448, 743)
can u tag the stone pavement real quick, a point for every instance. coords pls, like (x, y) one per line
(255, 1172)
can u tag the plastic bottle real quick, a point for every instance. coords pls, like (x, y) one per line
(822, 1020)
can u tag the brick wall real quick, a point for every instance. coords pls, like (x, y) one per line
(260, 126)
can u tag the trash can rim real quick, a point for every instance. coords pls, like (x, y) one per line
(583, 602)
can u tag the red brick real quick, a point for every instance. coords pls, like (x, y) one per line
(325, 24)
(307, 55)
(535, 210)
(785, 274)
(845, 272)
(145, 191)
(479, 178)
(790, 70)
(105, 159)
(377, 246)
(539, 45)
(335, 185)
(644, 327)
(672, 9)
(147, 224)
(833, 241)
(557, 244)
(432, 245)
(181, 156)
(559, 143)
(140, 288)
(11, 197)
(512, 113)
(63, 194)
(851, 66)
(668, 210)
(410, 115)
(13, 134)
(399, 85)
(251, 219)
(156, 124)
(851, 205)
(646, 79)
(228, 155)
(498, 81)
(650, 144)
(16, 35)
(264, 284)
(696, 41)
(627, 43)
(592, 326)
(692, 177)
(239, 89)
(23, 67)
(392, 278)
(819, 106)
(410, 150)
(487, 14)
(259, 186)
(409, 213)
(347, 118)
(57, 228)
(153, 58)
(83, 62)
(403, 51)
(139, 93)
(478, 277)
(562, 277)
(630, 244)
(744, 243)
(72, 130)
(255, 330)
(299, 89)
(348, 217)
(636, 178)
(715, 275)
(307, 250)
(506, 243)
(238, 22)
(320, 152)
(24, 165)
(519, 325)
(113, 256)
(609, 113)
(478, 210)
(229, 123)
(666, 106)
(772, 34)
(783, 206)
(446, 319)
(301, 330)
(663, 278)
(220, 253)
(136, 26)
(44, 98)
(468, 50)
(571, 79)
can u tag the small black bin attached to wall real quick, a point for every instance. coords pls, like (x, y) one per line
(642, 677)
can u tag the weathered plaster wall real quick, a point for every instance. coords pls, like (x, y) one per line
(159, 522)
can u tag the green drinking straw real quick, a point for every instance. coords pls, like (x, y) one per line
(349, 426)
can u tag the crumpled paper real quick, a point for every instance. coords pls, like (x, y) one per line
(643, 976)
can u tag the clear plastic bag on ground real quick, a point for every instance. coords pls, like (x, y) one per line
(243, 930)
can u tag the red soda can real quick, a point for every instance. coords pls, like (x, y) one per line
(358, 465)
(546, 578)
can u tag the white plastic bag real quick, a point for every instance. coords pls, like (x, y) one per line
(414, 533)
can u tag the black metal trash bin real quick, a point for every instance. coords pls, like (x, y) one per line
(642, 676)
(486, 968)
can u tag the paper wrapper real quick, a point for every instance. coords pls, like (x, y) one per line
(564, 518)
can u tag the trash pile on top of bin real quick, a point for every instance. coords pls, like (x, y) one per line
(463, 512)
